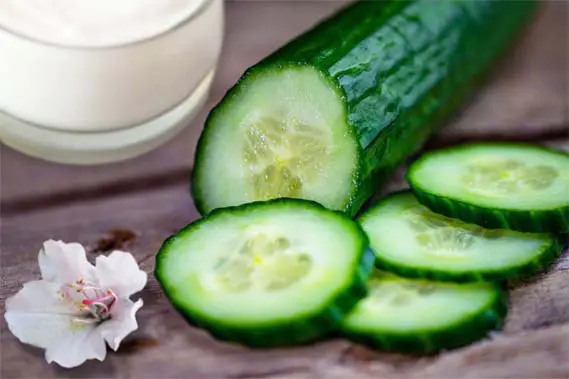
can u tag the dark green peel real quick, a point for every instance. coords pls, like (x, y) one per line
(398, 68)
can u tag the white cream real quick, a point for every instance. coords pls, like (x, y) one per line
(93, 22)
(93, 65)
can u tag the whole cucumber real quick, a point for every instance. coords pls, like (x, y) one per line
(328, 116)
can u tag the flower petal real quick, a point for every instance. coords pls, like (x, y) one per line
(122, 323)
(38, 316)
(119, 272)
(76, 343)
(34, 315)
(64, 262)
(39, 296)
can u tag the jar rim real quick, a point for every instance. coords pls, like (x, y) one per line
(186, 20)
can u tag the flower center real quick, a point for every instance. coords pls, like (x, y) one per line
(93, 303)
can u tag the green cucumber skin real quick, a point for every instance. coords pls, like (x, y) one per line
(537, 265)
(554, 220)
(294, 332)
(461, 333)
(401, 67)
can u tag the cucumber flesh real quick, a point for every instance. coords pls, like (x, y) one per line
(270, 273)
(411, 241)
(418, 316)
(496, 185)
(284, 135)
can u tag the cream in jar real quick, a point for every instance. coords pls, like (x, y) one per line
(98, 68)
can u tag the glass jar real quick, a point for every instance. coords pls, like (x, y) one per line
(87, 105)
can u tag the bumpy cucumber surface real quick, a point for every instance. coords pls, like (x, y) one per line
(410, 240)
(331, 113)
(272, 273)
(496, 185)
(418, 316)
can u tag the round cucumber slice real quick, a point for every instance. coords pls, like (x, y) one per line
(419, 316)
(496, 185)
(281, 134)
(270, 273)
(410, 240)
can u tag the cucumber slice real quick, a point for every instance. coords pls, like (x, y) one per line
(272, 273)
(418, 316)
(412, 241)
(496, 185)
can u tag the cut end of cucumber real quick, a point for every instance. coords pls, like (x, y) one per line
(282, 155)
(281, 133)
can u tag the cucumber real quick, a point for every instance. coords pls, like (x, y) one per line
(272, 273)
(329, 115)
(421, 317)
(496, 185)
(412, 241)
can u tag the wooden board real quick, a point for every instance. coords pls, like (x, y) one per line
(137, 204)
(165, 346)
(527, 98)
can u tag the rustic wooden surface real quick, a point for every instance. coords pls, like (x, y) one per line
(146, 199)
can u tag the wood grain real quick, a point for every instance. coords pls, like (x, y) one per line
(527, 98)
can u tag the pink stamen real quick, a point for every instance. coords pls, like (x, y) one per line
(101, 299)
(94, 300)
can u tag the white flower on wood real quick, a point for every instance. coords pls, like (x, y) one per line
(76, 306)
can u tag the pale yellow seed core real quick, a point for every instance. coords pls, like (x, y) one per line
(281, 155)
(262, 262)
(397, 292)
(444, 236)
(508, 176)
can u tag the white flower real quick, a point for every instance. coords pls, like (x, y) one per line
(76, 306)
